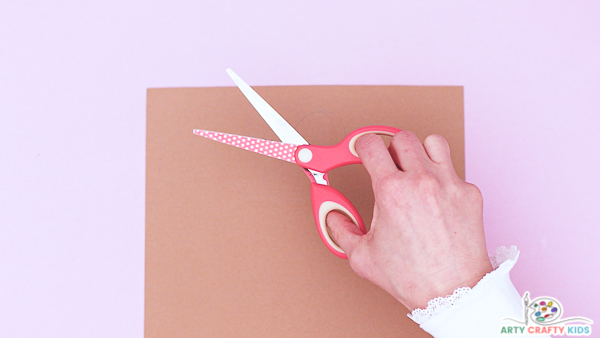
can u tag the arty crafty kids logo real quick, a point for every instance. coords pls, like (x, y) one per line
(542, 316)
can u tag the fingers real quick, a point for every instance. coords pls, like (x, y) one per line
(438, 150)
(408, 151)
(375, 157)
(345, 233)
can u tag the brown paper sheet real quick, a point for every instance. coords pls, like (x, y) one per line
(231, 245)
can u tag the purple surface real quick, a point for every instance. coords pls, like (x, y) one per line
(72, 129)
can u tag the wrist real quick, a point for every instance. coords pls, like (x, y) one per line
(454, 315)
(442, 285)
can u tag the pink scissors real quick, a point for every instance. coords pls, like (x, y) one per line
(316, 161)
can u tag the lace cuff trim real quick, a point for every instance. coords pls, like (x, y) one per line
(502, 261)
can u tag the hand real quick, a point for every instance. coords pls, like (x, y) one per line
(426, 237)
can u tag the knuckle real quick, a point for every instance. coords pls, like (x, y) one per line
(389, 187)
(473, 192)
(466, 191)
(428, 183)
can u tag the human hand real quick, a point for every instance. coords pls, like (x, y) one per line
(426, 237)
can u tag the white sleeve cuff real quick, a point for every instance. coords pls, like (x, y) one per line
(476, 312)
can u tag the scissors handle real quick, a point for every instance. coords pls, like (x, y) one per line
(325, 158)
(324, 200)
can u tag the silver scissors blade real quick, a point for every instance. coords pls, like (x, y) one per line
(278, 124)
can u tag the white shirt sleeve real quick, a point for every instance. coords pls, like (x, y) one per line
(477, 312)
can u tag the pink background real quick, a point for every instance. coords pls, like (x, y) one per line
(72, 129)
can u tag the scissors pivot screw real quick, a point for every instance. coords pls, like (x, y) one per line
(305, 155)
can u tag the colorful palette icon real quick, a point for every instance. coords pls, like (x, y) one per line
(545, 310)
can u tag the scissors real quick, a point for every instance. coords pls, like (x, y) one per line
(316, 161)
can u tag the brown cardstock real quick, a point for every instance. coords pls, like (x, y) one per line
(231, 245)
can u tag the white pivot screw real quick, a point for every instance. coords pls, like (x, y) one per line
(305, 155)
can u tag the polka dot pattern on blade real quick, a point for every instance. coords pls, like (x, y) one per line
(282, 151)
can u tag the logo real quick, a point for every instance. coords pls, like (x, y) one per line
(543, 316)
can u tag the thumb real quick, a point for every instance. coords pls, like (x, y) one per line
(345, 233)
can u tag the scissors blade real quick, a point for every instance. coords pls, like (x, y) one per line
(278, 124)
(278, 150)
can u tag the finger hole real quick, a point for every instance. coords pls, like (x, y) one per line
(325, 208)
(385, 134)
